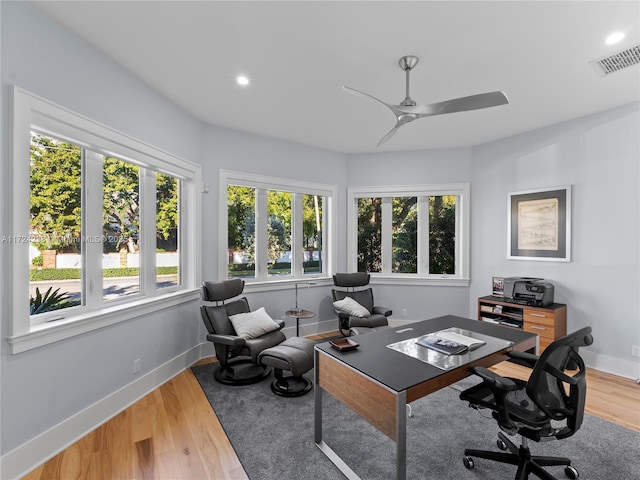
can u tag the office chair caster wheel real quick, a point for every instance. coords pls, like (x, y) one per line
(501, 445)
(571, 472)
(468, 463)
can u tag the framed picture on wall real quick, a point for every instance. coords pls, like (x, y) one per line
(497, 289)
(539, 225)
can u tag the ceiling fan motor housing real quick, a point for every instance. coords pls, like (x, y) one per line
(408, 62)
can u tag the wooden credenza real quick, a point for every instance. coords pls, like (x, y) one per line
(548, 322)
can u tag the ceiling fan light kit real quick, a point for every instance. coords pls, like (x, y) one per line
(408, 111)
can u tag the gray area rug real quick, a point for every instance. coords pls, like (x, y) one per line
(273, 438)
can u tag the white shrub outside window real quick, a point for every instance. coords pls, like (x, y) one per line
(98, 225)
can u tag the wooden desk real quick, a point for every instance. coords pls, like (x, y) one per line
(377, 382)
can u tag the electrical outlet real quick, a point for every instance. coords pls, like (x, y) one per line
(404, 312)
(635, 350)
(136, 365)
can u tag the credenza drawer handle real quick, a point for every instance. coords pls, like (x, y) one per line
(541, 315)
(535, 327)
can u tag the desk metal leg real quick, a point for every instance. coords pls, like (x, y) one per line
(401, 431)
(317, 399)
(324, 448)
(401, 437)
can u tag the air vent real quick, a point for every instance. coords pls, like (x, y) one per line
(617, 61)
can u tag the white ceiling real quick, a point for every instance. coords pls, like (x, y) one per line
(299, 54)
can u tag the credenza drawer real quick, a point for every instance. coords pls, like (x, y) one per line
(547, 331)
(540, 317)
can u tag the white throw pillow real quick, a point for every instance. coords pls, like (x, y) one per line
(253, 324)
(349, 306)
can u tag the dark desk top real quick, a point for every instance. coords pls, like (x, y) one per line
(399, 371)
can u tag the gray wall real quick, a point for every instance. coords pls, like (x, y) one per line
(43, 387)
(410, 168)
(241, 152)
(599, 155)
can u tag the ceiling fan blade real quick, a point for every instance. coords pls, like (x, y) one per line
(462, 104)
(393, 108)
(389, 134)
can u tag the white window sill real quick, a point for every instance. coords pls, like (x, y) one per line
(442, 281)
(376, 279)
(47, 333)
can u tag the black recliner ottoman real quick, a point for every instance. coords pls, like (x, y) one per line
(294, 355)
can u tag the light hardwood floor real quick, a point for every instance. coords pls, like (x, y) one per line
(173, 433)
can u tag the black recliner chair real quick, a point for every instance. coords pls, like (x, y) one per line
(238, 357)
(351, 324)
(555, 392)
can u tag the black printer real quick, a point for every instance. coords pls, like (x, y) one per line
(528, 291)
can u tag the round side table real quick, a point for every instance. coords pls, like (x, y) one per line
(298, 314)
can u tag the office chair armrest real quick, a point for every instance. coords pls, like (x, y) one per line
(498, 384)
(529, 358)
(382, 311)
(231, 340)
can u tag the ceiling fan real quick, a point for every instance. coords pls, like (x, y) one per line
(407, 111)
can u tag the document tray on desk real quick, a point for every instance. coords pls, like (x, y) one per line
(449, 342)
(443, 361)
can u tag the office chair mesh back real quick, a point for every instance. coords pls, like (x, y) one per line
(546, 385)
(550, 404)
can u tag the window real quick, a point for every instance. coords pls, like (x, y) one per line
(290, 243)
(97, 234)
(167, 231)
(409, 232)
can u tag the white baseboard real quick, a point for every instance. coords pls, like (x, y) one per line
(26, 457)
(614, 365)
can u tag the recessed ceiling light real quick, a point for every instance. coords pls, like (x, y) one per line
(614, 38)
(242, 80)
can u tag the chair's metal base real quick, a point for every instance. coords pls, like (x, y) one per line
(241, 372)
(521, 457)
(291, 386)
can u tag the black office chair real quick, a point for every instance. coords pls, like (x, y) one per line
(373, 318)
(555, 392)
(238, 356)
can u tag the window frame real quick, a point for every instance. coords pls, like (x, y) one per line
(463, 232)
(297, 187)
(30, 112)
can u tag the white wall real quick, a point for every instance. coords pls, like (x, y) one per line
(43, 388)
(599, 155)
(55, 394)
(241, 152)
(411, 168)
